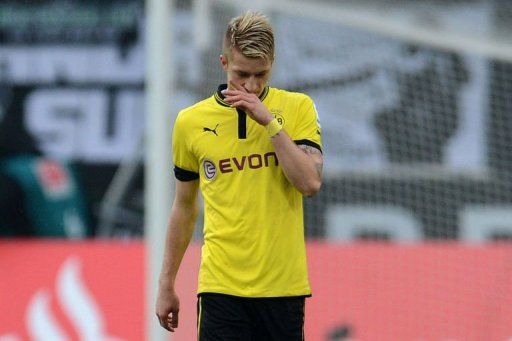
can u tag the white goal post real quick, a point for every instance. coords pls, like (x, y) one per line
(158, 185)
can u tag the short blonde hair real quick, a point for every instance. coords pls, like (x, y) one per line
(251, 35)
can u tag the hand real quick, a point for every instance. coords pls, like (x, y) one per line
(167, 308)
(240, 98)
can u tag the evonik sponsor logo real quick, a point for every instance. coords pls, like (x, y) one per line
(232, 164)
(209, 169)
(252, 161)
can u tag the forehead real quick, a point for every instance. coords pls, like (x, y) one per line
(240, 62)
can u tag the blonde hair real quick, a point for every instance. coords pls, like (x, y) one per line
(251, 35)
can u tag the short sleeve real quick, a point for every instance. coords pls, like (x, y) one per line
(185, 163)
(308, 130)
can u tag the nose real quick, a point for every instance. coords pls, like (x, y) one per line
(251, 85)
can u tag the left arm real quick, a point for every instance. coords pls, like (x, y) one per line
(302, 164)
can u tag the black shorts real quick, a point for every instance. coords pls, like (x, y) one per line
(228, 318)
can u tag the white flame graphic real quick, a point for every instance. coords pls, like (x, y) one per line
(41, 324)
(75, 300)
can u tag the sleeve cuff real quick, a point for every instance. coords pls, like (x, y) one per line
(308, 143)
(185, 175)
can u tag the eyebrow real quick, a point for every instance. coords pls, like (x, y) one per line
(244, 72)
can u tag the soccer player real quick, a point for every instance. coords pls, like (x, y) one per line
(254, 152)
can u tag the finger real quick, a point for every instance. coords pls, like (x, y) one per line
(238, 87)
(236, 98)
(172, 322)
(235, 101)
(163, 323)
(241, 105)
(228, 92)
(229, 98)
(175, 320)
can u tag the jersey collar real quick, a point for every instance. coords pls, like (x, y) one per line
(219, 97)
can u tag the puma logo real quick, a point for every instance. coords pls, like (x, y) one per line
(214, 130)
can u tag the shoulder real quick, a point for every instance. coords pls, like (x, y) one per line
(297, 97)
(197, 107)
(192, 113)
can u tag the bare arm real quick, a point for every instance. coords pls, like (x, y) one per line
(302, 165)
(179, 232)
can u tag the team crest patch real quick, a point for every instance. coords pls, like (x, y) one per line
(278, 117)
(210, 171)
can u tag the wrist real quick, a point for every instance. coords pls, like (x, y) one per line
(273, 128)
(166, 281)
(267, 120)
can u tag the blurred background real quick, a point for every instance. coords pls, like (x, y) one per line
(409, 237)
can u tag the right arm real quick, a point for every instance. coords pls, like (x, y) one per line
(179, 232)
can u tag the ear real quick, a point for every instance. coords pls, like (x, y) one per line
(224, 61)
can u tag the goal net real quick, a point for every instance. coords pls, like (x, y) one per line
(407, 238)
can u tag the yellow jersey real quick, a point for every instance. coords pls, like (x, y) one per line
(253, 217)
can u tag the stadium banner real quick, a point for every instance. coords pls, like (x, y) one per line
(94, 290)
(62, 290)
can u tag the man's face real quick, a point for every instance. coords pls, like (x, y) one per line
(251, 73)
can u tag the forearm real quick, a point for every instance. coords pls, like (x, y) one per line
(179, 234)
(302, 170)
(302, 166)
